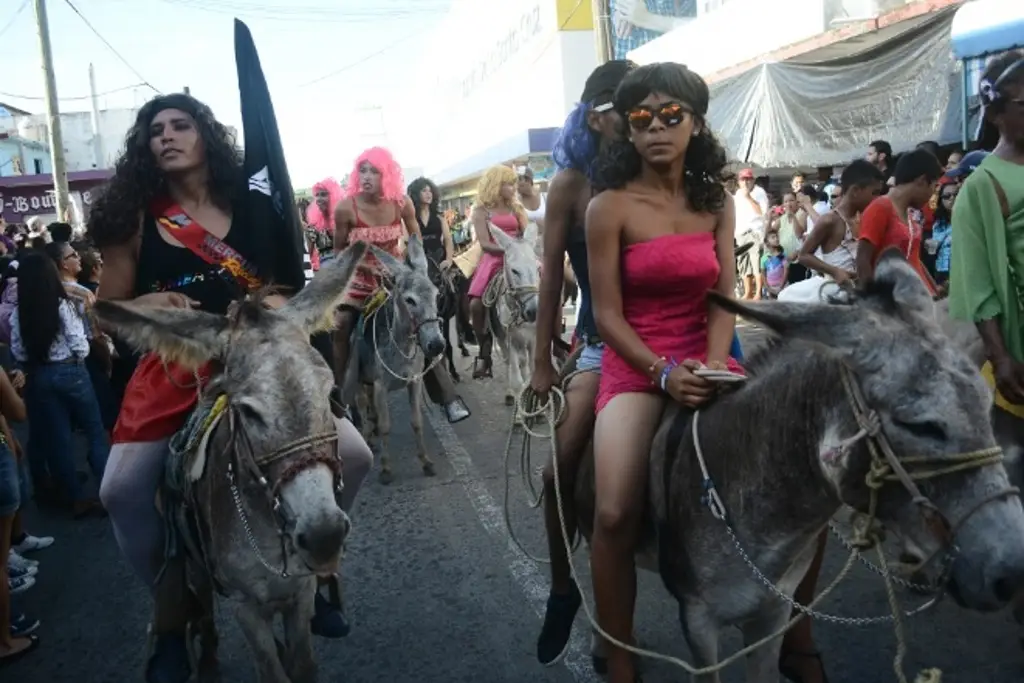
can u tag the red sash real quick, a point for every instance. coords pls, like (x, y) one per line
(160, 396)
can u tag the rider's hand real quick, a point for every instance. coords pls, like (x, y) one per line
(17, 380)
(1009, 376)
(841, 276)
(165, 300)
(686, 387)
(544, 375)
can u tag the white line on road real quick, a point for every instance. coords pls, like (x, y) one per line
(525, 572)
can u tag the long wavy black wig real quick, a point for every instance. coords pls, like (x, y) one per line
(40, 293)
(416, 186)
(114, 218)
(705, 160)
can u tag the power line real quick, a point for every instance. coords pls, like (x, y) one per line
(73, 99)
(14, 18)
(361, 61)
(111, 47)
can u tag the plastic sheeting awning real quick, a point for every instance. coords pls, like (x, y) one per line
(786, 115)
(985, 27)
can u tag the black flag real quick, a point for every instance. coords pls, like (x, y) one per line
(268, 210)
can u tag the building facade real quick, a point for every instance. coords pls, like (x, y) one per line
(505, 77)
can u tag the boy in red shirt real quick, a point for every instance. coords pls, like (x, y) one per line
(890, 223)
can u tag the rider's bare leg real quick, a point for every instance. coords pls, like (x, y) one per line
(622, 439)
(477, 316)
(571, 440)
(799, 659)
(345, 319)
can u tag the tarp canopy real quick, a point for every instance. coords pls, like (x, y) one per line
(904, 91)
(984, 27)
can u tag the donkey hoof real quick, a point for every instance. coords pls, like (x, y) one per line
(510, 400)
(386, 477)
(429, 469)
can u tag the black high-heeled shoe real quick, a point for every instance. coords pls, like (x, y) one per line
(792, 673)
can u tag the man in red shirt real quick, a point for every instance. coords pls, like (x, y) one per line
(890, 222)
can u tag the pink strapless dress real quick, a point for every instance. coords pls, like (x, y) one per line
(490, 264)
(664, 299)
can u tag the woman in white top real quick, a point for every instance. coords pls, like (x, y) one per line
(49, 340)
(533, 201)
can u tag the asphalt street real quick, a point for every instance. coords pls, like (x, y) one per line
(438, 594)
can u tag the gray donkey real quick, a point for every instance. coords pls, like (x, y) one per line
(391, 345)
(260, 516)
(870, 386)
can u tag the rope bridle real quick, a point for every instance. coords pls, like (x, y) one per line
(885, 468)
(514, 298)
(398, 309)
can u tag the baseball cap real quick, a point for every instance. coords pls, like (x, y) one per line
(746, 173)
(967, 165)
(605, 79)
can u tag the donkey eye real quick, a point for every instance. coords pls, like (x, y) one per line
(409, 301)
(928, 429)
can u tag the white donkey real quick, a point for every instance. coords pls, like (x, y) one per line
(512, 300)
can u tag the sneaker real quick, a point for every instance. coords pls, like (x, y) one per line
(22, 625)
(16, 561)
(558, 619)
(20, 585)
(32, 543)
(22, 573)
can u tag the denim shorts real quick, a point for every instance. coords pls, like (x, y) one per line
(590, 358)
(10, 482)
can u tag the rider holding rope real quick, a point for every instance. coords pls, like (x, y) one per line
(589, 127)
(376, 210)
(496, 207)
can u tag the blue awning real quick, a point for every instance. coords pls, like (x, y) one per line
(985, 27)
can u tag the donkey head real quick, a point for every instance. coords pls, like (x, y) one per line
(931, 403)
(278, 389)
(522, 268)
(415, 295)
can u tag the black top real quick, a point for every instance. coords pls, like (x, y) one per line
(166, 268)
(433, 237)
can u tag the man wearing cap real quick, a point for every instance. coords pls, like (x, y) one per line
(751, 205)
(592, 124)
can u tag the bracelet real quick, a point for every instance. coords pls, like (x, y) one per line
(653, 368)
(665, 372)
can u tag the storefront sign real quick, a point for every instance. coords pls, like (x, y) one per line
(528, 26)
(21, 203)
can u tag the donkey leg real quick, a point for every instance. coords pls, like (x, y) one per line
(416, 414)
(702, 636)
(383, 429)
(762, 664)
(257, 622)
(207, 669)
(514, 377)
(298, 660)
(449, 352)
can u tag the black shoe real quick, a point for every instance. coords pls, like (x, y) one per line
(558, 619)
(169, 662)
(791, 672)
(456, 411)
(328, 620)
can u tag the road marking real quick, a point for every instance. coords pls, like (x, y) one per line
(525, 572)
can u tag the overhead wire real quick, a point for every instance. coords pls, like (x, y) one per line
(39, 98)
(111, 47)
(14, 17)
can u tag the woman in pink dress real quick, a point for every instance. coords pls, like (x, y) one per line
(496, 208)
(659, 237)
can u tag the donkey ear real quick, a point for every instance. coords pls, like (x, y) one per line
(392, 264)
(838, 326)
(311, 308)
(415, 255)
(909, 292)
(188, 338)
(530, 234)
(499, 236)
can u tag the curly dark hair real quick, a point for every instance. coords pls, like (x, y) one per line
(114, 218)
(414, 189)
(705, 160)
(40, 294)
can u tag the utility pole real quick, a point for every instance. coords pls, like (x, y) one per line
(99, 156)
(601, 10)
(60, 175)
(187, 91)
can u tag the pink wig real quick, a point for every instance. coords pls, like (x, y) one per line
(314, 216)
(392, 185)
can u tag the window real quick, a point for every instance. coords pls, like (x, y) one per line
(38, 163)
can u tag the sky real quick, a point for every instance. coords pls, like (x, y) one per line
(337, 69)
